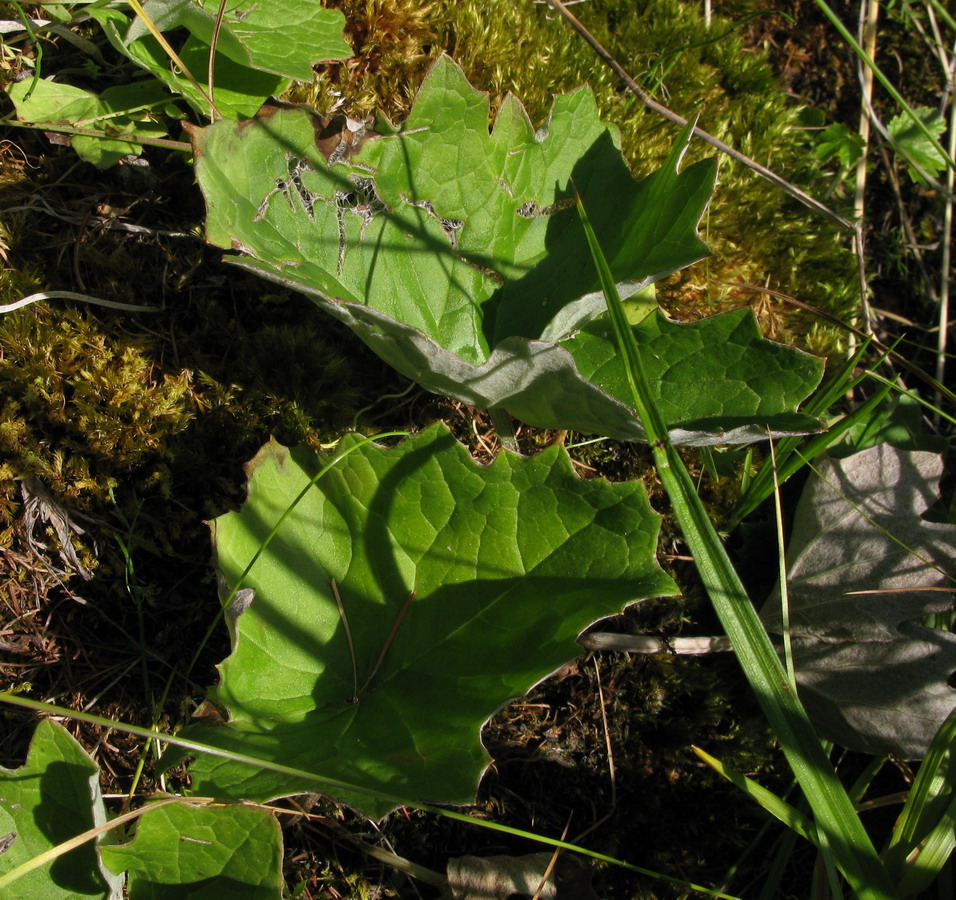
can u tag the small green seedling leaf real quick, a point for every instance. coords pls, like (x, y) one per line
(914, 144)
(405, 599)
(187, 851)
(864, 568)
(455, 252)
(53, 797)
(838, 142)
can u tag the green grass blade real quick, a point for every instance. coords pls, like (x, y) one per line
(926, 805)
(791, 461)
(934, 851)
(836, 820)
(776, 806)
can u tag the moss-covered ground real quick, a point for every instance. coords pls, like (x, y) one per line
(134, 427)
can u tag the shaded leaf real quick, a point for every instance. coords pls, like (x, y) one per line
(213, 852)
(837, 141)
(53, 797)
(872, 677)
(504, 565)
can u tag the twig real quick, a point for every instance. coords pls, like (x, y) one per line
(607, 738)
(59, 128)
(385, 647)
(646, 644)
(348, 636)
(868, 37)
(543, 883)
(868, 19)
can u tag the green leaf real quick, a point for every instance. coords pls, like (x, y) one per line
(52, 798)
(454, 251)
(257, 33)
(715, 377)
(257, 54)
(117, 111)
(837, 141)
(240, 90)
(504, 565)
(913, 143)
(201, 852)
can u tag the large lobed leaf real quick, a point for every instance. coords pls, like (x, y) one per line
(456, 253)
(507, 565)
(864, 568)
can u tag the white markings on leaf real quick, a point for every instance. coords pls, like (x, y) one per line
(451, 227)
(289, 184)
(363, 201)
(531, 210)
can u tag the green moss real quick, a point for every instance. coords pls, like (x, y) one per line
(81, 409)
